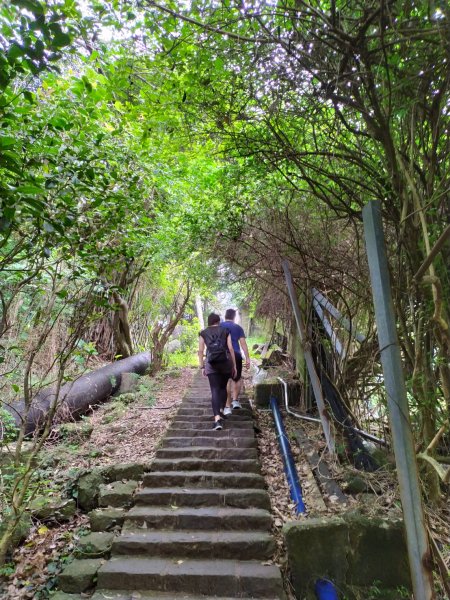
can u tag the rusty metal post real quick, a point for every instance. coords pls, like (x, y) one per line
(315, 381)
(402, 439)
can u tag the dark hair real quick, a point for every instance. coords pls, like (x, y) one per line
(230, 314)
(213, 319)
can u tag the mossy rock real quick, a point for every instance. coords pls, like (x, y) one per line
(47, 508)
(79, 575)
(354, 484)
(87, 489)
(94, 545)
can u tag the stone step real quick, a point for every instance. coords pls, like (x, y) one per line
(206, 403)
(245, 545)
(244, 579)
(207, 452)
(197, 424)
(154, 595)
(226, 432)
(173, 441)
(206, 417)
(247, 465)
(203, 479)
(180, 496)
(207, 518)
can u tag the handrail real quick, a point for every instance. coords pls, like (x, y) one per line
(288, 461)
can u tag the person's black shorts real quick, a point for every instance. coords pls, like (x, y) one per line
(238, 366)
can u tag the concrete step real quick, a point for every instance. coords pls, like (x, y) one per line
(176, 441)
(179, 496)
(203, 479)
(187, 408)
(247, 465)
(227, 431)
(154, 595)
(207, 452)
(245, 545)
(207, 424)
(244, 579)
(207, 518)
(206, 417)
(206, 403)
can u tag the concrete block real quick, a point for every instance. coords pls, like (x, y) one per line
(272, 387)
(350, 550)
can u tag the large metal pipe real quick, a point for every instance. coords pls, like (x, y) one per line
(76, 397)
(288, 461)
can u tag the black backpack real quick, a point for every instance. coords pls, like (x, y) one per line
(216, 346)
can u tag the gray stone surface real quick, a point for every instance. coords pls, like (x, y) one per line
(117, 494)
(106, 519)
(79, 575)
(202, 577)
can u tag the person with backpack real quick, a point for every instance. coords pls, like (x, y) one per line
(219, 365)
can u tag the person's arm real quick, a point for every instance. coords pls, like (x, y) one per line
(201, 353)
(233, 357)
(244, 347)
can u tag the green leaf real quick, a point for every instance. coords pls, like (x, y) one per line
(32, 5)
(61, 39)
(15, 387)
(7, 141)
(30, 189)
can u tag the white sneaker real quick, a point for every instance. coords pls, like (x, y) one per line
(227, 410)
(236, 404)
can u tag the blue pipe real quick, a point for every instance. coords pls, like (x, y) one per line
(325, 590)
(289, 465)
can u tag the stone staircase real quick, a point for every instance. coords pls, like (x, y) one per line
(200, 524)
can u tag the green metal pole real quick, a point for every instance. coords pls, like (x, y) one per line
(402, 439)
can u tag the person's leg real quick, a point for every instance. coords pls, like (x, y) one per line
(215, 383)
(236, 383)
(223, 386)
(228, 403)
